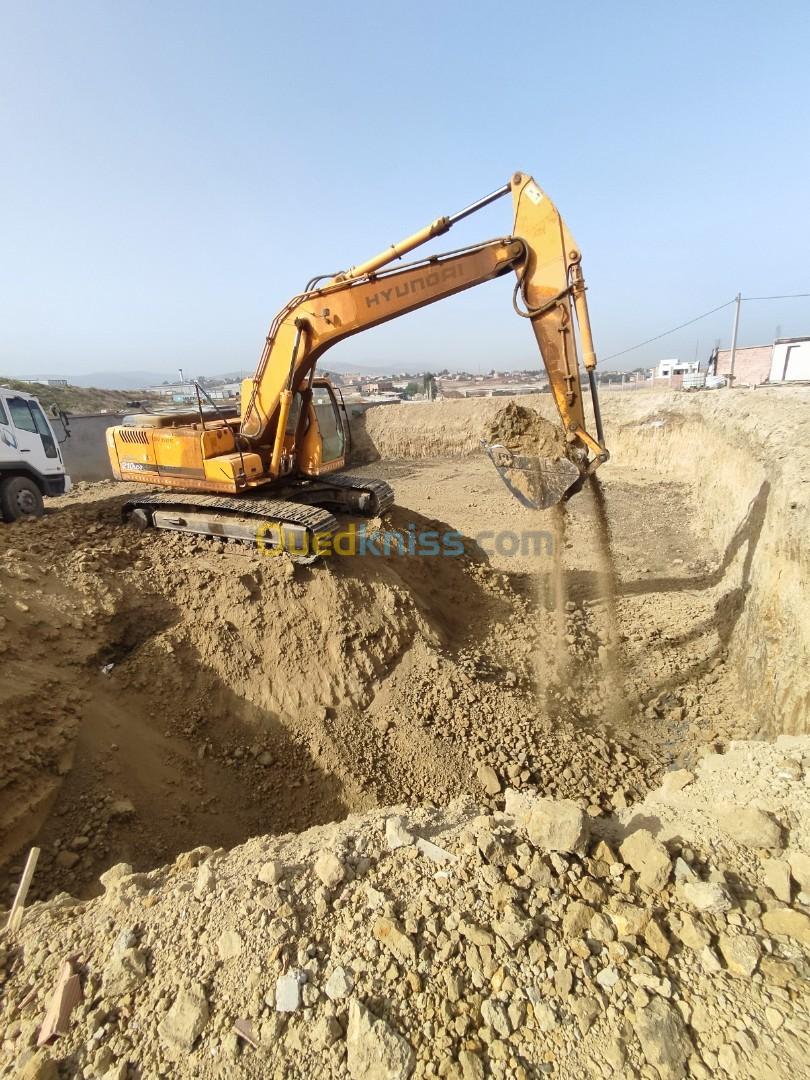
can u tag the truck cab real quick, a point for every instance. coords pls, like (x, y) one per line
(31, 465)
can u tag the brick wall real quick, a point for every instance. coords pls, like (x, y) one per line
(751, 365)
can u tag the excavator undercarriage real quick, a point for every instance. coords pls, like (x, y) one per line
(298, 521)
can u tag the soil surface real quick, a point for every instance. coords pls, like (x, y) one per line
(169, 692)
(504, 677)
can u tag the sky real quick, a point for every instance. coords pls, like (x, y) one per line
(172, 173)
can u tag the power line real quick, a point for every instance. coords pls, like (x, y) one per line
(783, 296)
(666, 333)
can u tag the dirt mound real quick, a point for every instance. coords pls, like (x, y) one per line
(163, 691)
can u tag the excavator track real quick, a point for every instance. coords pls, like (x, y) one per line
(344, 491)
(274, 525)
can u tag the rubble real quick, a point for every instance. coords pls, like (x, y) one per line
(505, 957)
(66, 996)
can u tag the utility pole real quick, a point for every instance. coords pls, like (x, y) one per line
(737, 300)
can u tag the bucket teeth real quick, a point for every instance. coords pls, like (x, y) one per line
(537, 483)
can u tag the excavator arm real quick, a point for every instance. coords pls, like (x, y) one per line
(549, 292)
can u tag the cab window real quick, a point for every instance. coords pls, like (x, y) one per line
(329, 423)
(3, 417)
(27, 416)
(21, 415)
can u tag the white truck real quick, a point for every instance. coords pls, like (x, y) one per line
(31, 465)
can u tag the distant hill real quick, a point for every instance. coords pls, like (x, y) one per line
(75, 399)
(117, 380)
(139, 380)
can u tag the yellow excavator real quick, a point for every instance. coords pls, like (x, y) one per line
(274, 472)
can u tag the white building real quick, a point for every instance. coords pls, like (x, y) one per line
(667, 368)
(790, 359)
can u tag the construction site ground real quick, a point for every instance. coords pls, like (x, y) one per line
(525, 699)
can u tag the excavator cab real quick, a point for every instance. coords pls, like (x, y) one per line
(322, 429)
(330, 422)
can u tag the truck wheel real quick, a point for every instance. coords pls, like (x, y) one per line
(20, 498)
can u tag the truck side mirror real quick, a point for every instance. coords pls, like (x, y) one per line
(65, 424)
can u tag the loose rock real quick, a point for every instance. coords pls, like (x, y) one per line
(329, 869)
(649, 858)
(706, 896)
(750, 827)
(787, 922)
(799, 862)
(488, 779)
(338, 985)
(288, 992)
(184, 1021)
(740, 952)
(663, 1037)
(397, 834)
(374, 1051)
(776, 877)
(125, 968)
(229, 945)
(558, 826)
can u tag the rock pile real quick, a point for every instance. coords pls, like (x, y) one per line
(464, 942)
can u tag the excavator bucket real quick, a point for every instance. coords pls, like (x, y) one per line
(536, 482)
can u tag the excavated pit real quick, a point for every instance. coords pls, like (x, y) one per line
(161, 693)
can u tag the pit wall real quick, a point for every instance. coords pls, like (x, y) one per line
(746, 454)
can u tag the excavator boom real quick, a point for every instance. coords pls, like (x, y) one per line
(550, 288)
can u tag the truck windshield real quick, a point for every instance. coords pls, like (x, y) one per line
(44, 429)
